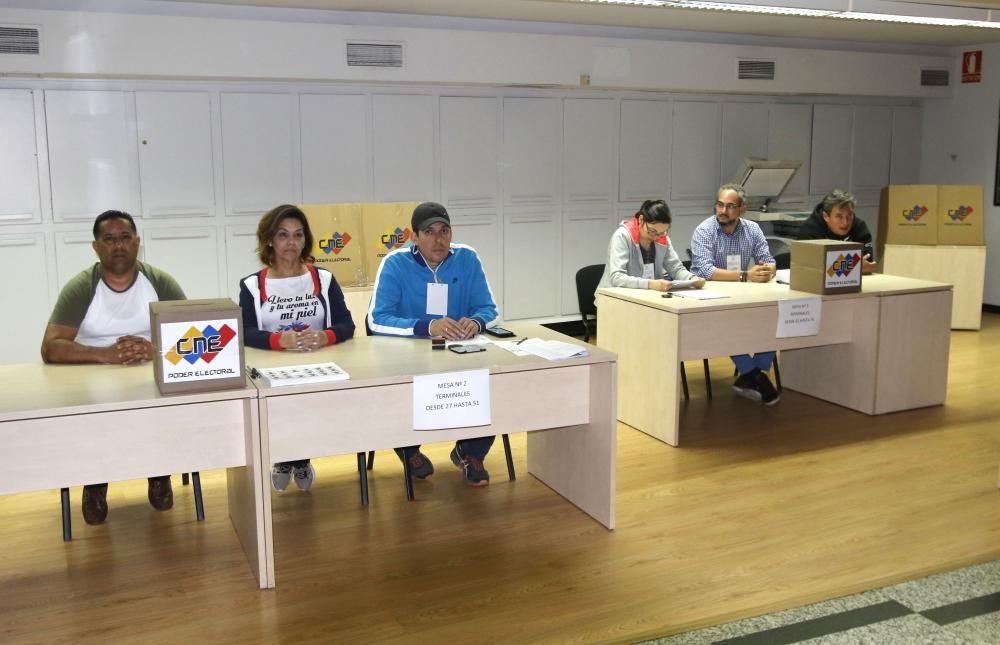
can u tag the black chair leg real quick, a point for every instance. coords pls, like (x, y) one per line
(184, 479)
(708, 378)
(371, 459)
(408, 478)
(67, 523)
(586, 329)
(684, 382)
(363, 477)
(199, 503)
(777, 374)
(510, 460)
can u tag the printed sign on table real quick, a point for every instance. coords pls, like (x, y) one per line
(451, 400)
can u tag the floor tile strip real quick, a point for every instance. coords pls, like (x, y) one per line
(817, 627)
(965, 609)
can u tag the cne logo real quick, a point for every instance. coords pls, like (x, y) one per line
(205, 344)
(915, 213)
(395, 238)
(959, 214)
(843, 265)
(334, 242)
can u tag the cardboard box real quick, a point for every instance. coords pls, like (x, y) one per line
(826, 266)
(200, 345)
(386, 228)
(960, 215)
(908, 214)
(338, 241)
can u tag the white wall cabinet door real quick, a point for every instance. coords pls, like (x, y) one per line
(75, 253)
(789, 137)
(190, 255)
(907, 123)
(872, 147)
(644, 150)
(19, 200)
(92, 157)
(532, 141)
(241, 257)
(830, 159)
(481, 231)
(258, 152)
(744, 134)
(403, 147)
(334, 142)
(28, 312)
(175, 153)
(585, 241)
(531, 265)
(588, 151)
(469, 151)
(695, 152)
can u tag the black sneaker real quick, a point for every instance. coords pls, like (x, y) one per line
(768, 394)
(472, 469)
(420, 466)
(748, 385)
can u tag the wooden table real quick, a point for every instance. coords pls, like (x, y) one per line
(96, 423)
(571, 403)
(881, 350)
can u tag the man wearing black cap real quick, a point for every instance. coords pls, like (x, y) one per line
(435, 288)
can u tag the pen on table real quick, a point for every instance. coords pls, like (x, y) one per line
(518, 342)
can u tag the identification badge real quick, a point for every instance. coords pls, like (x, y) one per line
(647, 271)
(733, 263)
(437, 299)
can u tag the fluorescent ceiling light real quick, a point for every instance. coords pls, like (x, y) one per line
(707, 5)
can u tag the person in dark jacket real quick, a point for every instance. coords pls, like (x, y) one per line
(834, 219)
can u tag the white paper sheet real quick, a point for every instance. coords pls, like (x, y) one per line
(451, 400)
(700, 294)
(799, 317)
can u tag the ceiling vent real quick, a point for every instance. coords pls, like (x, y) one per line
(19, 40)
(934, 78)
(374, 55)
(755, 70)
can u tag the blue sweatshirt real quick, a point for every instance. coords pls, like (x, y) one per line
(399, 300)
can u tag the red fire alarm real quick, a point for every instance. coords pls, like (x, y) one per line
(972, 66)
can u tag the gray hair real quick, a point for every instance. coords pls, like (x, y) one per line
(838, 198)
(742, 194)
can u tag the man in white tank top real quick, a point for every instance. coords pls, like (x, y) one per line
(102, 316)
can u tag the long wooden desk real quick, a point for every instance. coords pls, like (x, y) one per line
(571, 401)
(881, 350)
(90, 424)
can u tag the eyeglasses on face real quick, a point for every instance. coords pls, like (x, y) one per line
(723, 206)
(654, 232)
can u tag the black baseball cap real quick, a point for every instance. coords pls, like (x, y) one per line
(426, 214)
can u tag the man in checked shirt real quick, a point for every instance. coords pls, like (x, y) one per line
(727, 247)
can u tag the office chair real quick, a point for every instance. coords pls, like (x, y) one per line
(781, 251)
(364, 465)
(587, 280)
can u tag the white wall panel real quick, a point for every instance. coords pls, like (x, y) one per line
(241, 257)
(872, 147)
(469, 151)
(19, 201)
(830, 159)
(189, 254)
(644, 150)
(588, 150)
(403, 147)
(695, 150)
(28, 311)
(744, 134)
(532, 140)
(481, 231)
(75, 253)
(531, 280)
(334, 142)
(175, 153)
(257, 152)
(586, 235)
(789, 137)
(906, 141)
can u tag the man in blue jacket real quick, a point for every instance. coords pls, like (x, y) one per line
(435, 288)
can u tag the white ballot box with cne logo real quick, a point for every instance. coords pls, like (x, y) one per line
(200, 345)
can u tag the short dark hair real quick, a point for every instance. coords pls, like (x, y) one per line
(655, 210)
(106, 215)
(268, 228)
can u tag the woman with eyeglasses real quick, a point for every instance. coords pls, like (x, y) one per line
(640, 255)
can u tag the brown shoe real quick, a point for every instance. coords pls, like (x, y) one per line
(95, 503)
(161, 495)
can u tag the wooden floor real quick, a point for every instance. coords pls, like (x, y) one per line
(760, 509)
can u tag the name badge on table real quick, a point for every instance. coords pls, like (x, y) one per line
(647, 271)
(733, 263)
(437, 299)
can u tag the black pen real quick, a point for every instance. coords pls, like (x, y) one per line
(520, 341)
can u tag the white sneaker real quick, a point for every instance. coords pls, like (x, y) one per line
(281, 475)
(304, 476)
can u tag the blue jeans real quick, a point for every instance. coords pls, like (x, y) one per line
(746, 363)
